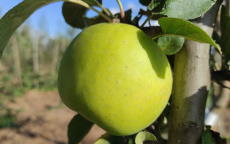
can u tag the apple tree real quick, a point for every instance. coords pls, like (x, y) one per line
(188, 32)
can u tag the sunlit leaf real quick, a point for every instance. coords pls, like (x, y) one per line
(187, 9)
(186, 29)
(92, 2)
(143, 136)
(102, 141)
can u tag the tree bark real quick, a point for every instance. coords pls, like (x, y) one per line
(191, 86)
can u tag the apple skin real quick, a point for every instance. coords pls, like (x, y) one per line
(115, 76)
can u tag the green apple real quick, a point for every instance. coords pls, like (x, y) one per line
(115, 76)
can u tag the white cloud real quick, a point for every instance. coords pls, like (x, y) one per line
(114, 10)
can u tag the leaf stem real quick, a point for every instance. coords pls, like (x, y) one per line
(121, 8)
(102, 14)
(92, 8)
(108, 12)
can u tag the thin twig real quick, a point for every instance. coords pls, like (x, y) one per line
(92, 8)
(121, 8)
(108, 12)
(101, 14)
(143, 24)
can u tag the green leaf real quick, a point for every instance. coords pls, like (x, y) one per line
(143, 136)
(187, 9)
(153, 4)
(145, 2)
(207, 137)
(110, 139)
(92, 2)
(77, 129)
(102, 141)
(186, 29)
(15, 17)
(170, 45)
(75, 15)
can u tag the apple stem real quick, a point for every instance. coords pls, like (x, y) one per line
(84, 4)
(116, 20)
(121, 9)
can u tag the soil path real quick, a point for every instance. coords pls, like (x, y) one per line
(42, 119)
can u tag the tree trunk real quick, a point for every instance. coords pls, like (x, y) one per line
(16, 59)
(35, 54)
(191, 86)
(191, 83)
(57, 46)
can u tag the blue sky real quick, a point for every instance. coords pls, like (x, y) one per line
(49, 18)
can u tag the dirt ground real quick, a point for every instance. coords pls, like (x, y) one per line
(42, 119)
